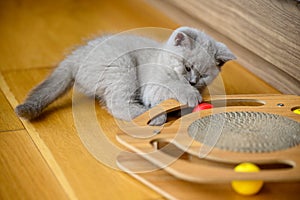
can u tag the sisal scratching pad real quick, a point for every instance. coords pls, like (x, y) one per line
(247, 131)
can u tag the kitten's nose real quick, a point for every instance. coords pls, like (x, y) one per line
(193, 83)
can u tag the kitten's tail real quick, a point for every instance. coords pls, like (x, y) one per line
(58, 83)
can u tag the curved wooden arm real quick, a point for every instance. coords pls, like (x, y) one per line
(164, 107)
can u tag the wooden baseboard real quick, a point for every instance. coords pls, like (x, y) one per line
(283, 76)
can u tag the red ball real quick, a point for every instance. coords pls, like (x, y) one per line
(202, 106)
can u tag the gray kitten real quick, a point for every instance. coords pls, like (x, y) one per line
(130, 74)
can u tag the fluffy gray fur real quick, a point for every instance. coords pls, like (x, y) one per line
(130, 74)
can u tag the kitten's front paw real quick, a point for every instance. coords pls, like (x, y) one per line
(190, 97)
(159, 120)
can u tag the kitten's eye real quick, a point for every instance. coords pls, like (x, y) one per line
(220, 63)
(203, 76)
(188, 69)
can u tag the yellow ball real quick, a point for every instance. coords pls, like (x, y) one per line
(247, 187)
(297, 111)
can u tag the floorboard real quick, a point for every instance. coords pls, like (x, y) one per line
(24, 173)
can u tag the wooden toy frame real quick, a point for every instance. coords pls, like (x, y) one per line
(170, 148)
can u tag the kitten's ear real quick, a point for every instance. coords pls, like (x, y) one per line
(223, 54)
(180, 39)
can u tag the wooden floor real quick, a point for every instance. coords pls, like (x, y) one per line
(45, 159)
